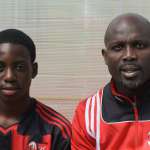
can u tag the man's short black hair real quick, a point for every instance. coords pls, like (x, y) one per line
(16, 36)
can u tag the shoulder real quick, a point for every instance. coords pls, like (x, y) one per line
(88, 102)
(85, 124)
(54, 118)
(87, 113)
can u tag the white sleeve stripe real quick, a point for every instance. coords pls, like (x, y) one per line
(92, 104)
(92, 115)
(98, 120)
(87, 117)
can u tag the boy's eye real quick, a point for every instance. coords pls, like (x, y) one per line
(2, 66)
(20, 67)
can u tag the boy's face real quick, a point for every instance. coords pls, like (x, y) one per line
(16, 72)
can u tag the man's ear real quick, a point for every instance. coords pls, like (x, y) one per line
(104, 54)
(35, 70)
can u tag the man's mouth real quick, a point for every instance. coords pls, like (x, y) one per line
(130, 74)
(130, 71)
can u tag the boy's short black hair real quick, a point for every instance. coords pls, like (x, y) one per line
(18, 37)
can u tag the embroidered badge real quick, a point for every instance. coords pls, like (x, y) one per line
(32, 146)
(37, 146)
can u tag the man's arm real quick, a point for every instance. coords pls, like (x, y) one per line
(80, 138)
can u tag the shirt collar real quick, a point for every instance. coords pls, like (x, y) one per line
(119, 96)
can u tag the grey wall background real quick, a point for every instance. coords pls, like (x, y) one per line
(69, 37)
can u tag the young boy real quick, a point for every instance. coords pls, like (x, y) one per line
(25, 123)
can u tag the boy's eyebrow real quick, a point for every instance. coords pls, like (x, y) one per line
(20, 62)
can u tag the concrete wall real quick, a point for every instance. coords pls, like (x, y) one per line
(69, 38)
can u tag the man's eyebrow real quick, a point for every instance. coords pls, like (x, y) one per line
(115, 42)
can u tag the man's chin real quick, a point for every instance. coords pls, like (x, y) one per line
(131, 85)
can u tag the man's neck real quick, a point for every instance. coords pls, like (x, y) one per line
(133, 92)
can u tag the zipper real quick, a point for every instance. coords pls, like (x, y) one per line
(136, 116)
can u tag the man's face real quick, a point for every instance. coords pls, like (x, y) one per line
(16, 72)
(128, 54)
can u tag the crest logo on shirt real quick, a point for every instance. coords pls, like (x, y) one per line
(32, 146)
(36, 146)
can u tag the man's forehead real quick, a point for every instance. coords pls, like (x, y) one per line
(127, 23)
(126, 28)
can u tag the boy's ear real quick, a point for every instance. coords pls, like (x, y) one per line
(35, 70)
(104, 54)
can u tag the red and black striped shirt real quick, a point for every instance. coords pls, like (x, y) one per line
(40, 128)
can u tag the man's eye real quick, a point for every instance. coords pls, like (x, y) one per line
(140, 45)
(117, 47)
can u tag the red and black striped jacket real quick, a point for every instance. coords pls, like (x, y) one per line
(109, 120)
(40, 128)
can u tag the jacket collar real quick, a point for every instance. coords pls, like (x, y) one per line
(121, 97)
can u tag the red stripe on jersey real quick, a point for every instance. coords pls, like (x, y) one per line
(19, 142)
(6, 130)
(46, 139)
(52, 114)
(51, 117)
(50, 110)
(51, 120)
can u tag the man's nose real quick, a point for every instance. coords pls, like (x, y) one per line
(129, 54)
(9, 75)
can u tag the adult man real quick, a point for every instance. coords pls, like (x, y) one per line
(117, 116)
(25, 123)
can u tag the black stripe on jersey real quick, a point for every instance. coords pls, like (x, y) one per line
(52, 117)
(55, 113)
(52, 120)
